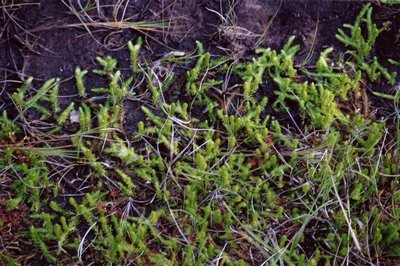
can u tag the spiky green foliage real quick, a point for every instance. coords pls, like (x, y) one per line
(32, 180)
(213, 177)
(79, 74)
(8, 128)
(134, 53)
(391, 2)
(362, 46)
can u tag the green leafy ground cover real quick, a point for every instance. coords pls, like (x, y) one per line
(210, 178)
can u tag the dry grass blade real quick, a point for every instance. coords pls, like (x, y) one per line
(142, 26)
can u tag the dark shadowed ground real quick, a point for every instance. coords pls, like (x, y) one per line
(44, 39)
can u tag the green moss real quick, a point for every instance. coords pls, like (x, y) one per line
(212, 174)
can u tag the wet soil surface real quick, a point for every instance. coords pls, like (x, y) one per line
(44, 38)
